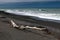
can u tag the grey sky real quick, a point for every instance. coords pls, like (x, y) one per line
(24, 0)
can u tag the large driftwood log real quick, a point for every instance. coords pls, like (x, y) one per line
(24, 27)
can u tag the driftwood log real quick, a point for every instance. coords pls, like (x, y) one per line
(25, 27)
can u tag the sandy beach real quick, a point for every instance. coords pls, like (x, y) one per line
(9, 33)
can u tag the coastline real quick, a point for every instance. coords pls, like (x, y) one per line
(29, 21)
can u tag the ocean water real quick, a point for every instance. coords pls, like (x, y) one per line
(47, 10)
(36, 12)
(43, 4)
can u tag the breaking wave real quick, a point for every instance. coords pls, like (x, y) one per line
(47, 14)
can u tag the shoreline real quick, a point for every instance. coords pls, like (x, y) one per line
(8, 33)
(52, 26)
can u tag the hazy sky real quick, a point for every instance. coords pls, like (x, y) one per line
(24, 0)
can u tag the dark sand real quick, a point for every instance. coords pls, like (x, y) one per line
(9, 33)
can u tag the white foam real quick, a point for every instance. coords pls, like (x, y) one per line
(35, 13)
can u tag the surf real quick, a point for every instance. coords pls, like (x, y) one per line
(35, 13)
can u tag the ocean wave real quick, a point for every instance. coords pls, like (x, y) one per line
(36, 13)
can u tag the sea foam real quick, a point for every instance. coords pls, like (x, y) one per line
(36, 13)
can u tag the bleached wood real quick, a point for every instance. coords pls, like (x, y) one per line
(14, 24)
(27, 27)
(35, 28)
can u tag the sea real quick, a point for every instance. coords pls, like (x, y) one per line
(46, 10)
(36, 12)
